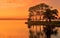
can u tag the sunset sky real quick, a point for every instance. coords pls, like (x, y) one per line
(19, 8)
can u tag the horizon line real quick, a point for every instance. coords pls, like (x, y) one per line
(13, 18)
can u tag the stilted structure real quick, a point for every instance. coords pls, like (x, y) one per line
(39, 21)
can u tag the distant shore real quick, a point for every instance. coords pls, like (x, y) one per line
(12, 19)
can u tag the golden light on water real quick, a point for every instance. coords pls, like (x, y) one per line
(13, 29)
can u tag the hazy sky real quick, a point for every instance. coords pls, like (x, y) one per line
(19, 8)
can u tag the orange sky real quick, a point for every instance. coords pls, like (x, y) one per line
(19, 8)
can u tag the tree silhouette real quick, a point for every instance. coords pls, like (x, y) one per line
(48, 14)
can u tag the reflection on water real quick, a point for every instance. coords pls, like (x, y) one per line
(16, 29)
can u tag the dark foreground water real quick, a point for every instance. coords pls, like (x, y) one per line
(16, 29)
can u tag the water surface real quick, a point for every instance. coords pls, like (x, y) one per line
(13, 29)
(16, 29)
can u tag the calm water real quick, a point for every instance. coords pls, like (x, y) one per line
(13, 29)
(16, 29)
